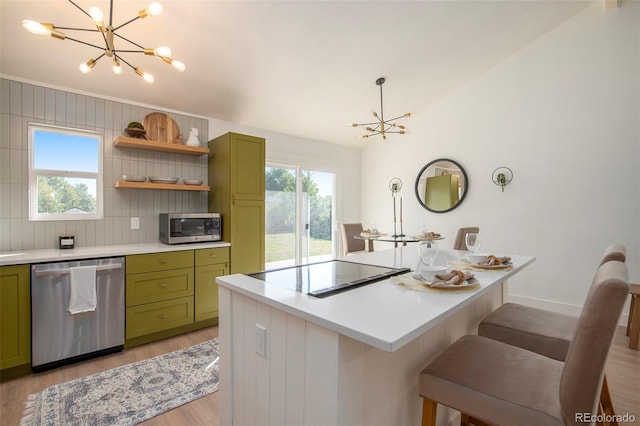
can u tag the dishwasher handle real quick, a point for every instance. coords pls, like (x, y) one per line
(65, 271)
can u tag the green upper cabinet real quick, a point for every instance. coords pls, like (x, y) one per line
(15, 316)
(237, 179)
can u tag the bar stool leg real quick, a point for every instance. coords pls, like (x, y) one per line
(606, 403)
(429, 409)
(633, 325)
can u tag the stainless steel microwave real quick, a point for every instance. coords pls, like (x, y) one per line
(178, 228)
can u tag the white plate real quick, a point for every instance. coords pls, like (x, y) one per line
(192, 182)
(156, 179)
(469, 283)
(133, 178)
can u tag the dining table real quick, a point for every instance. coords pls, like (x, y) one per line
(395, 239)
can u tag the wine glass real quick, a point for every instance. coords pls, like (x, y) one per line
(472, 240)
(428, 252)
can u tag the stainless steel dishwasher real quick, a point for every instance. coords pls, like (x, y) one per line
(59, 337)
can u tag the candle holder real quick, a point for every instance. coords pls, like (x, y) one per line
(395, 185)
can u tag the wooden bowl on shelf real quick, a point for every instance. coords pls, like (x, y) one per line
(135, 132)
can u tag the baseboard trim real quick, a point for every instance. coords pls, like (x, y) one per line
(564, 308)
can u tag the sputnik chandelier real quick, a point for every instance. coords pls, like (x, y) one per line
(108, 33)
(382, 126)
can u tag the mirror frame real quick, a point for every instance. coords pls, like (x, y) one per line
(464, 194)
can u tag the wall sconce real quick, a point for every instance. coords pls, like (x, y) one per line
(502, 176)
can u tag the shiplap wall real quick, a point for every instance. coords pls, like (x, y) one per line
(22, 103)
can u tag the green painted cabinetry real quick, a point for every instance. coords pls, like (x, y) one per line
(159, 292)
(237, 179)
(15, 316)
(210, 263)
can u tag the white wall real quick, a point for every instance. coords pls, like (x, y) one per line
(563, 114)
(315, 155)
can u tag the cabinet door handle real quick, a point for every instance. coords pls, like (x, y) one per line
(162, 260)
(213, 255)
(162, 316)
(162, 285)
(233, 199)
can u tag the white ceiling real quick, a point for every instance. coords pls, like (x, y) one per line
(305, 68)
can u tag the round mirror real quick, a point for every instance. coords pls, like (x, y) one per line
(441, 185)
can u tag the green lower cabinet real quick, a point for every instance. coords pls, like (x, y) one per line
(206, 294)
(15, 316)
(159, 316)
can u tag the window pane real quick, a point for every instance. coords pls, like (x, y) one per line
(59, 195)
(65, 151)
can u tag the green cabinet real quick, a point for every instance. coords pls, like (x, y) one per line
(237, 178)
(159, 292)
(210, 263)
(15, 316)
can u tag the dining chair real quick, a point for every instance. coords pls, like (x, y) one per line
(497, 383)
(350, 244)
(459, 243)
(542, 331)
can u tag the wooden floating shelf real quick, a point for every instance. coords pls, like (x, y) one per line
(169, 186)
(126, 142)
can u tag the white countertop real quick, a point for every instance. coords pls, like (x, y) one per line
(381, 314)
(57, 255)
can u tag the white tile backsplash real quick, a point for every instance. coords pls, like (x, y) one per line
(22, 103)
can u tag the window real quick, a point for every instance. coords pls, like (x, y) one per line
(65, 173)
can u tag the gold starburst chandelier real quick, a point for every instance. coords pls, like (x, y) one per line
(108, 34)
(382, 126)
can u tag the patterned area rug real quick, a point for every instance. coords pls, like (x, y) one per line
(129, 394)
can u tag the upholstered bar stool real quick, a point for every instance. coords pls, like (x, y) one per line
(493, 382)
(460, 243)
(545, 332)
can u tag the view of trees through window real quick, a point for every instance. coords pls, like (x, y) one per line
(315, 214)
(60, 195)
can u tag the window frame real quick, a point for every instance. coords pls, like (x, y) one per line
(34, 215)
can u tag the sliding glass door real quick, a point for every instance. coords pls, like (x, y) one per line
(299, 216)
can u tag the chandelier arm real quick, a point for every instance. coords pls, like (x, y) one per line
(81, 9)
(123, 60)
(85, 43)
(397, 118)
(93, 30)
(126, 39)
(126, 23)
(368, 124)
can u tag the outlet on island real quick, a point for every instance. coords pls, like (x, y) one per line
(135, 223)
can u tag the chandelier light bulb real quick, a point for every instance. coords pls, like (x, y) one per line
(178, 65)
(162, 51)
(85, 67)
(154, 9)
(145, 76)
(35, 27)
(97, 15)
(117, 69)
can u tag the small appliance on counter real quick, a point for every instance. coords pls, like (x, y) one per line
(179, 228)
(66, 241)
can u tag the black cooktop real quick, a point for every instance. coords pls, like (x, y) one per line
(327, 278)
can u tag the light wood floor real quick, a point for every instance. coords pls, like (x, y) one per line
(623, 375)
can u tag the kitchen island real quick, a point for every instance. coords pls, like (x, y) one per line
(348, 359)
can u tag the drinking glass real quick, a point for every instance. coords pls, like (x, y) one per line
(428, 252)
(472, 240)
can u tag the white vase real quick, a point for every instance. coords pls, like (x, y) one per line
(193, 138)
